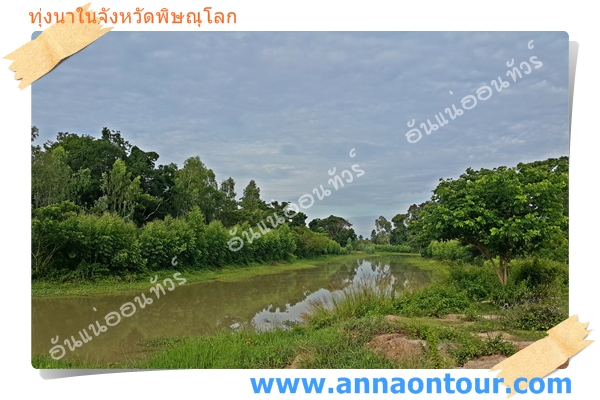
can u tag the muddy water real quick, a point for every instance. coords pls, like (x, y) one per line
(195, 309)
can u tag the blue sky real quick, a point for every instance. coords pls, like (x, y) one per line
(283, 108)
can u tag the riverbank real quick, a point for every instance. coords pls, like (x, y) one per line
(113, 285)
(332, 339)
(464, 319)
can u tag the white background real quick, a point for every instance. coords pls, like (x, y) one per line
(20, 380)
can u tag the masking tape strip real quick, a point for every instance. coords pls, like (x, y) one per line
(38, 57)
(544, 356)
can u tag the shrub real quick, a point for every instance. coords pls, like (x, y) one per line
(217, 251)
(479, 283)
(160, 241)
(451, 250)
(369, 249)
(398, 248)
(309, 243)
(109, 241)
(433, 301)
(537, 316)
(539, 271)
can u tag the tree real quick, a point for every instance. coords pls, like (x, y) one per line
(503, 212)
(51, 177)
(250, 200)
(196, 186)
(97, 155)
(121, 192)
(228, 205)
(337, 228)
(398, 234)
(382, 231)
(417, 239)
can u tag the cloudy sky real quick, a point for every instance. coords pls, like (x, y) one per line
(284, 108)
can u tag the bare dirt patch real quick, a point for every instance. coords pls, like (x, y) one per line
(396, 347)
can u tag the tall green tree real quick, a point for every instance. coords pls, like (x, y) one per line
(383, 230)
(250, 200)
(121, 191)
(398, 234)
(228, 205)
(196, 186)
(51, 177)
(96, 155)
(503, 212)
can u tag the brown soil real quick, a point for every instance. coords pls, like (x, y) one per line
(298, 360)
(485, 362)
(396, 347)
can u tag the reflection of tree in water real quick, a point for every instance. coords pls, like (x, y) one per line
(395, 273)
(344, 275)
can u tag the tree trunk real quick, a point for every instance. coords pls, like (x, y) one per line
(504, 270)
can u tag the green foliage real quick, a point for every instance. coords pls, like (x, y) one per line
(160, 241)
(251, 199)
(479, 283)
(337, 228)
(121, 191)
(195, 186)
(539, 271)
(310, 244)
(52, 179)
(505, 212)
(109, 241)
(67, 243)
(354, 302)
(537, 316)
(433, 301)
(368, 249)
(52, 231)
(389, 248)
(450, 250)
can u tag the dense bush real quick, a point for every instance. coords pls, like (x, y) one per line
(389, 248)
(310, 244)
(161, 240)
(433, 301)
(68, 243)
(478, 282)
(539, 271)
(537, 316)
(450, 250)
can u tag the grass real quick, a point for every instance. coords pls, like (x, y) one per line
(45, 288)
(336, 347)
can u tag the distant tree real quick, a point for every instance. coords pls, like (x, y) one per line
(298, 220)
(96, 155)
(381, 234)
(398, 234)
(228, 205)
(51, 177)
(121, 191)
(416, 238)
(337, 228)
(195, 186)
(250, 200)
(253, 209)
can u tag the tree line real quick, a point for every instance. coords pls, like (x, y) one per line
(101, 206)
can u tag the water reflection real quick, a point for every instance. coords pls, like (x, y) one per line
(196, 309)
